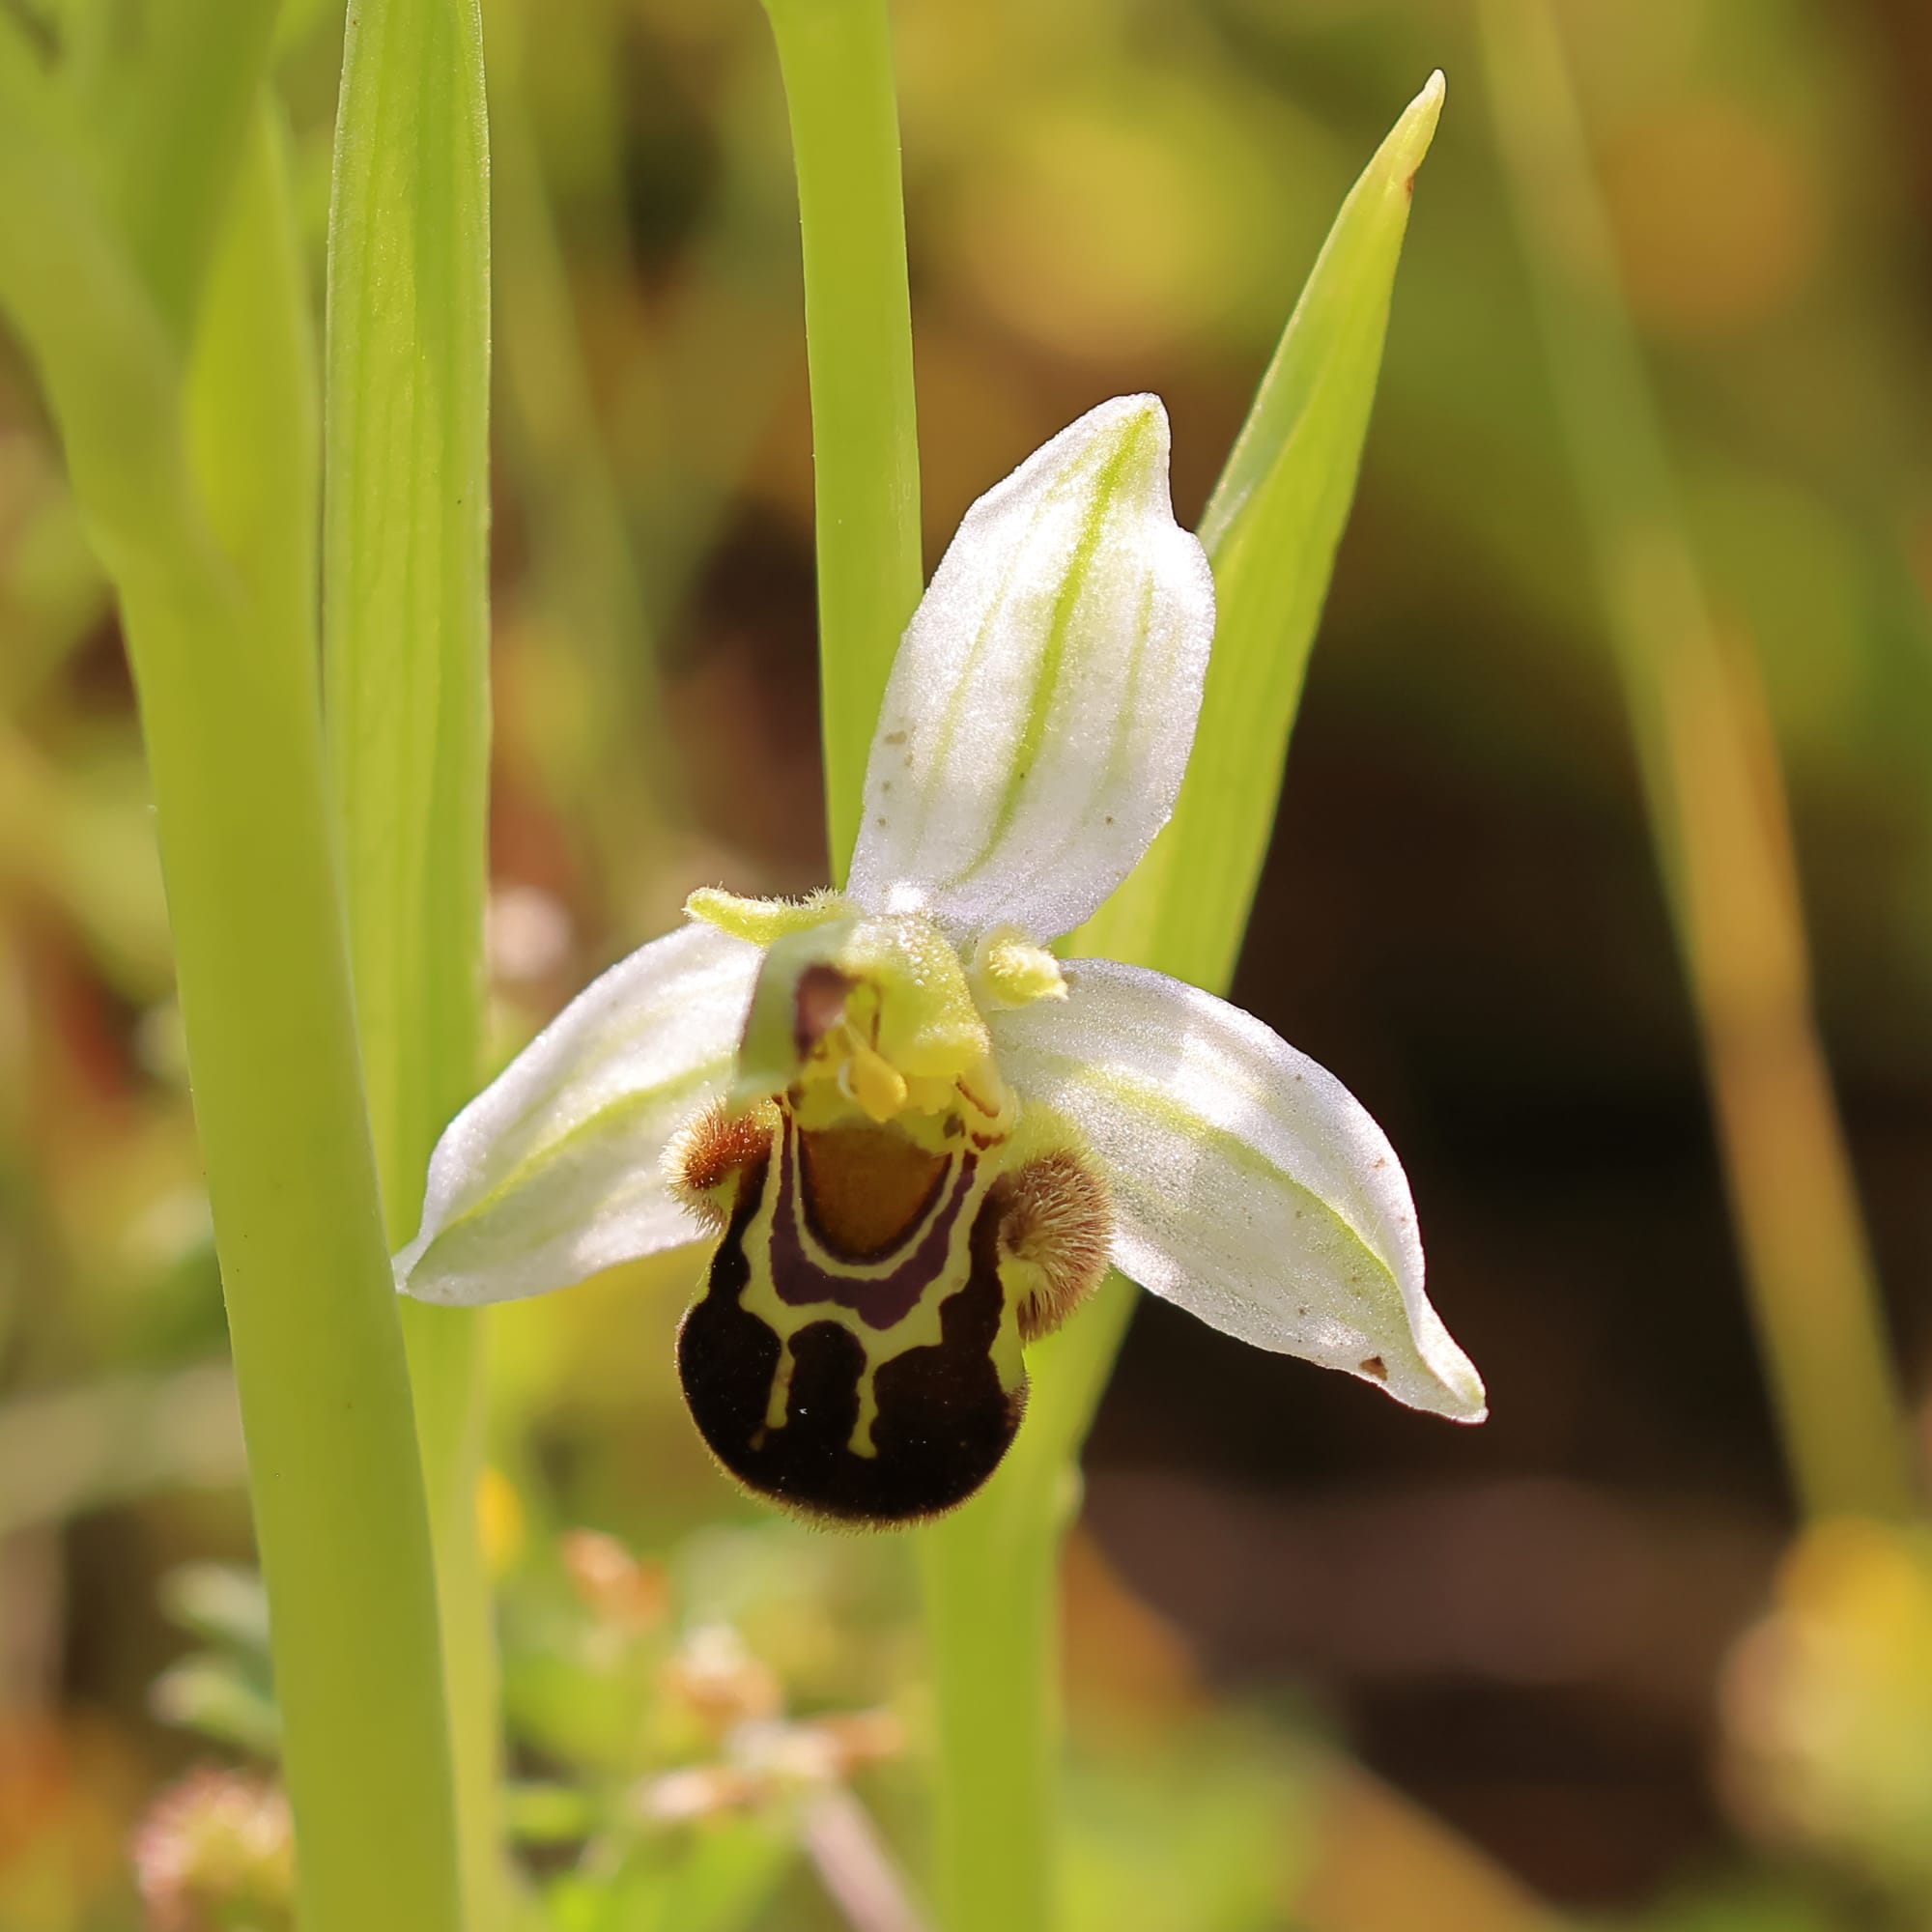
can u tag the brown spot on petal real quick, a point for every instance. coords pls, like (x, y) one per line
(1375, 1369)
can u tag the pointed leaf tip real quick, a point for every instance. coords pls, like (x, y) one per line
(1409, 140)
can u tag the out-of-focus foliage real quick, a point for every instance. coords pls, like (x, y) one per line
(1827, 1704)
(1303, 1596)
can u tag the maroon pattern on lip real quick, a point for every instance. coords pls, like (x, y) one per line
(880, 1302)
(943, 1421)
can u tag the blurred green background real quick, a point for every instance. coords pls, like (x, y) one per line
(1331, 1665)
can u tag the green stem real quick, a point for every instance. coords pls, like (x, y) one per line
(223, 656)
(448, 1361)
(989, 1576)
(836, 56)
(989, 1571)
(406, 664)
(1717, 810)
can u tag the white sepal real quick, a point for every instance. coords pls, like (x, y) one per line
(1250, 1186)
(1043, 700)
(552, 1173)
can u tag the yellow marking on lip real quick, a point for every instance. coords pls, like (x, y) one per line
(782, 1375)
(861, 1442)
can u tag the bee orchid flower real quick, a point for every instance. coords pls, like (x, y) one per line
(915, 1136)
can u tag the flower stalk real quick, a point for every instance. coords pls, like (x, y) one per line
(990, 1585)
(836, 56)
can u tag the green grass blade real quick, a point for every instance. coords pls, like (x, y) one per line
(228, 706)
(836, 60)
(1718, 817)
(405, 674)
(1271, 529)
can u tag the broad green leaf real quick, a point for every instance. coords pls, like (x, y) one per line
(176, 123)
(228, 712)
(251, 393)
(1270, 531)
(405, 559)
(406, 547)
(76, 304)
